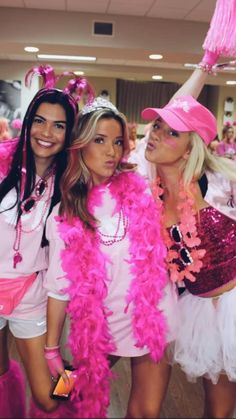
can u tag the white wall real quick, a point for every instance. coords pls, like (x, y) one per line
(16, 71)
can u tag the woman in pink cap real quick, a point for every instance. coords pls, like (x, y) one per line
(197, 192)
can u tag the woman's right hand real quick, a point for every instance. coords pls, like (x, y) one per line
(209, 59)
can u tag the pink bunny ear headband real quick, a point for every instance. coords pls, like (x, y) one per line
(74, 89)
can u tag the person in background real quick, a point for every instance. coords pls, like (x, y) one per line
(111, 280)
(227, 146)
(132, 129)
(16, 125)
(30, 171)
(214, 144)
(5, 132)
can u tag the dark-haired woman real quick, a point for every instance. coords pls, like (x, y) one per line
(30, 171)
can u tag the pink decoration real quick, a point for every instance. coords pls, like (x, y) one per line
(221, 36)
(54, 360)
(85, 266)
(228, 124)
(77, 86)
(7, 150)
(16, 123)
(188, 229)
(13, 380)
(47, 73)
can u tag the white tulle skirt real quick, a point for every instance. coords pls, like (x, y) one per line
(206, 336)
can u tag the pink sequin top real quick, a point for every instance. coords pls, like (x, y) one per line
(218, 237)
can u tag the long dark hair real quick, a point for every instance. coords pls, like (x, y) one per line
(13, 179)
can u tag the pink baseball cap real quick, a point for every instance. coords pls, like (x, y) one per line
(186, 114)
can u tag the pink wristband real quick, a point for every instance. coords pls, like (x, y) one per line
(210, 58)
(54, 360)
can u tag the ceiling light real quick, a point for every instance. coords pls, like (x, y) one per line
(79, 73)
(31, 49)
(157, 77)
(188, 65)
(65, 57)
(155, 56)
(231, 82)
(229, 68)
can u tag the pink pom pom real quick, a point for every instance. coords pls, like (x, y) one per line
(221, 36)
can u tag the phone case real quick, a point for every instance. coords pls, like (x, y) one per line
(61, 391)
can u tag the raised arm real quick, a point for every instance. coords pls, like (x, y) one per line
(195, 83)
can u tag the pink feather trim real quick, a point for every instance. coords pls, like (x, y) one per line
(221, 36)
(7, 150)
(85, 266)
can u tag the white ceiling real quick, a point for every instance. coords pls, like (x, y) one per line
(194, 10)
(174, 28)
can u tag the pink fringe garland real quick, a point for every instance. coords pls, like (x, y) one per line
(7, 149)
(85, 266)
(221, 36)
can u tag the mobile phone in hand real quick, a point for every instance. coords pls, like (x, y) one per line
(61, 391)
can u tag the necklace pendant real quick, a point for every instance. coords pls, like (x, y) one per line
(17, 258)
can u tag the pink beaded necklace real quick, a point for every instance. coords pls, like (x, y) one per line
(109, 240)
(44, 183)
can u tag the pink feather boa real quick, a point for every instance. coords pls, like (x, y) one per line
(85, 267)
(7, 149)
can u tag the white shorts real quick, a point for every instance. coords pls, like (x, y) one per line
(25, 328)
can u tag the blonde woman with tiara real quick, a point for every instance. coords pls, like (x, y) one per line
(111, 279)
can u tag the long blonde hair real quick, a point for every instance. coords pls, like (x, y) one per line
(77, 179)
(201, 159)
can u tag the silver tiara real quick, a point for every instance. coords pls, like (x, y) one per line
(98, 103)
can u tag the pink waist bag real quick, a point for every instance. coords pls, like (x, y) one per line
(12, 291)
